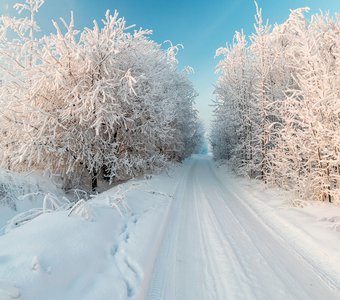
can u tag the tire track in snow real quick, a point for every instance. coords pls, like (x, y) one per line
(223, 261)
(276, 252)
(164, 269)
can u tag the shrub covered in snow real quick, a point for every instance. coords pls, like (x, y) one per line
(16, 188)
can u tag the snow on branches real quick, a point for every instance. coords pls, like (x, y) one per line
(105, 101)
(277, 105)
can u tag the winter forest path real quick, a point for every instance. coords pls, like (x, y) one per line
(215, 247)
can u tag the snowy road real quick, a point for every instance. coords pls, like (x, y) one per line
(215, 247)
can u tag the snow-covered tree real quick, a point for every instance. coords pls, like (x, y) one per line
(105, 101)
(310, 137)
(18, 44)
(234, 104)
(277, 104)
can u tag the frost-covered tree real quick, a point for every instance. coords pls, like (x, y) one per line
(310, 137)
(18, 44)
(105, 101)
(277, 105)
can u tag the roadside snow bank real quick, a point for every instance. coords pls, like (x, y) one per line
(100, 249)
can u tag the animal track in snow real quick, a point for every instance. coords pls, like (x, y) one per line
(127, 267)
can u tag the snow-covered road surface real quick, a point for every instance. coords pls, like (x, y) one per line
(194, 232)
(216, 247)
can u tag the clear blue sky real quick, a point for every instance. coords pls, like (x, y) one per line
(201, 26)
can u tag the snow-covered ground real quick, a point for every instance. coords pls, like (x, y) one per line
(310, 229)
(195, 232)
(102, 250)
(221, 245)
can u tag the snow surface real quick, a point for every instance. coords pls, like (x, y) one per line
(100, 250)
(196, 232)
(218, 247)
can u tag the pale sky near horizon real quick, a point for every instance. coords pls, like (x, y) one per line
(201, 26)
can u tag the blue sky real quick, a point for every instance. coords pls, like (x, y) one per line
(201, 26)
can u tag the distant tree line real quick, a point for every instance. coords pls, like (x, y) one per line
(277, 108)
(102, 102)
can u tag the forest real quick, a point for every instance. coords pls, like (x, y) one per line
(277, 107)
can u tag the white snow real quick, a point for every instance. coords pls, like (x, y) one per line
(196, 232)
(311, 228)
(100, 249)
(219, 245)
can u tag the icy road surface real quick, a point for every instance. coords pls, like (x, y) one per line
(215, 247)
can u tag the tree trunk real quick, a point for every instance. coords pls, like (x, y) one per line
(94, 181)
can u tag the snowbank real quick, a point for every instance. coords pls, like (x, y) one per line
(103, 248)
